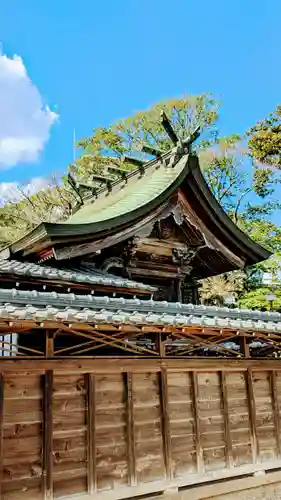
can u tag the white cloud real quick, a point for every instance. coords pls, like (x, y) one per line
(12, 192)
(24, 120)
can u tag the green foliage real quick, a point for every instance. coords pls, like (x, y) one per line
(264, 181)
(265, 140)
(216, 290)
(129, 135)
(256, 299)
(222, 168)
(261, 230)
(47, 205)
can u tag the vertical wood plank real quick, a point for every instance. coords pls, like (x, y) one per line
(195, 396)
(228, 440)
(276, 411)
(49, 344)
(1, 429)
(160, 346)
(91, 433)
(252, 414)
(48, 436)
(130, 429)
(179, 286)
(244, 346)
(166, 431)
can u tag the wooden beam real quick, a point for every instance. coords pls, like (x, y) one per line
(134, 161)
(119, 364)
(167, 125)
(276, 411)
(195, 396)
(48, 436)
(166, 431)
(25, 326)
(1, 429)
(160, 346)
(192, 137)
(49, 343)
(130, 429)
(252, 414)
(152, 151)
(228, 440)
(91, 432)
(244, 346)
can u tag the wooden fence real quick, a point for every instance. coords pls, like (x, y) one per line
(117, 428)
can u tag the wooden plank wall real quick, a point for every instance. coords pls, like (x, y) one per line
(132, 432)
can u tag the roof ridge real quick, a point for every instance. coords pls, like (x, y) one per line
(181, 147)
(131, 174)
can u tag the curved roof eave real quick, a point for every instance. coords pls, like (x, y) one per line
(197, 187)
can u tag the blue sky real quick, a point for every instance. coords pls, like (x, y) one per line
(94, 62)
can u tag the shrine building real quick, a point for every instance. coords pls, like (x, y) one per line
(115, 382)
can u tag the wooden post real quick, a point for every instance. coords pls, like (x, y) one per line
(48, 436)
(166, 432)
(195, 295)
(1, 429)
(131, 452)
(179, 285)
(49, 344)
(228, 440)
(160, 346)
(91, 434)
(252, 414)
(244, 346)
(276, 413)
(195, 394)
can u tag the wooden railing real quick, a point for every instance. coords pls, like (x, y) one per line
(29, 339)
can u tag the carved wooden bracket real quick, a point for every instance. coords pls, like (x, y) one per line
(124, 259)
(112, 262)
(184, 257)
(129, 251)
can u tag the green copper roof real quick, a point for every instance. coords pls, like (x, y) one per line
(130, 197)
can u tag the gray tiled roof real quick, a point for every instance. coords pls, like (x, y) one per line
(40, 306)
(93, 277)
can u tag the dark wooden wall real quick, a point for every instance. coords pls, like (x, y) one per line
(131, 427)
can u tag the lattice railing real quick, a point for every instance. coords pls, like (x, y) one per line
(62, 340)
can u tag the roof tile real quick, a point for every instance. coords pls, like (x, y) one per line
(90, 277)
(40, 306)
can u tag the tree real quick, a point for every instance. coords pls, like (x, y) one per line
(26, 210)
(265, 140)
(257, 299)
(249, 201)
(217, 289)
(129, 135)
(264, 149)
